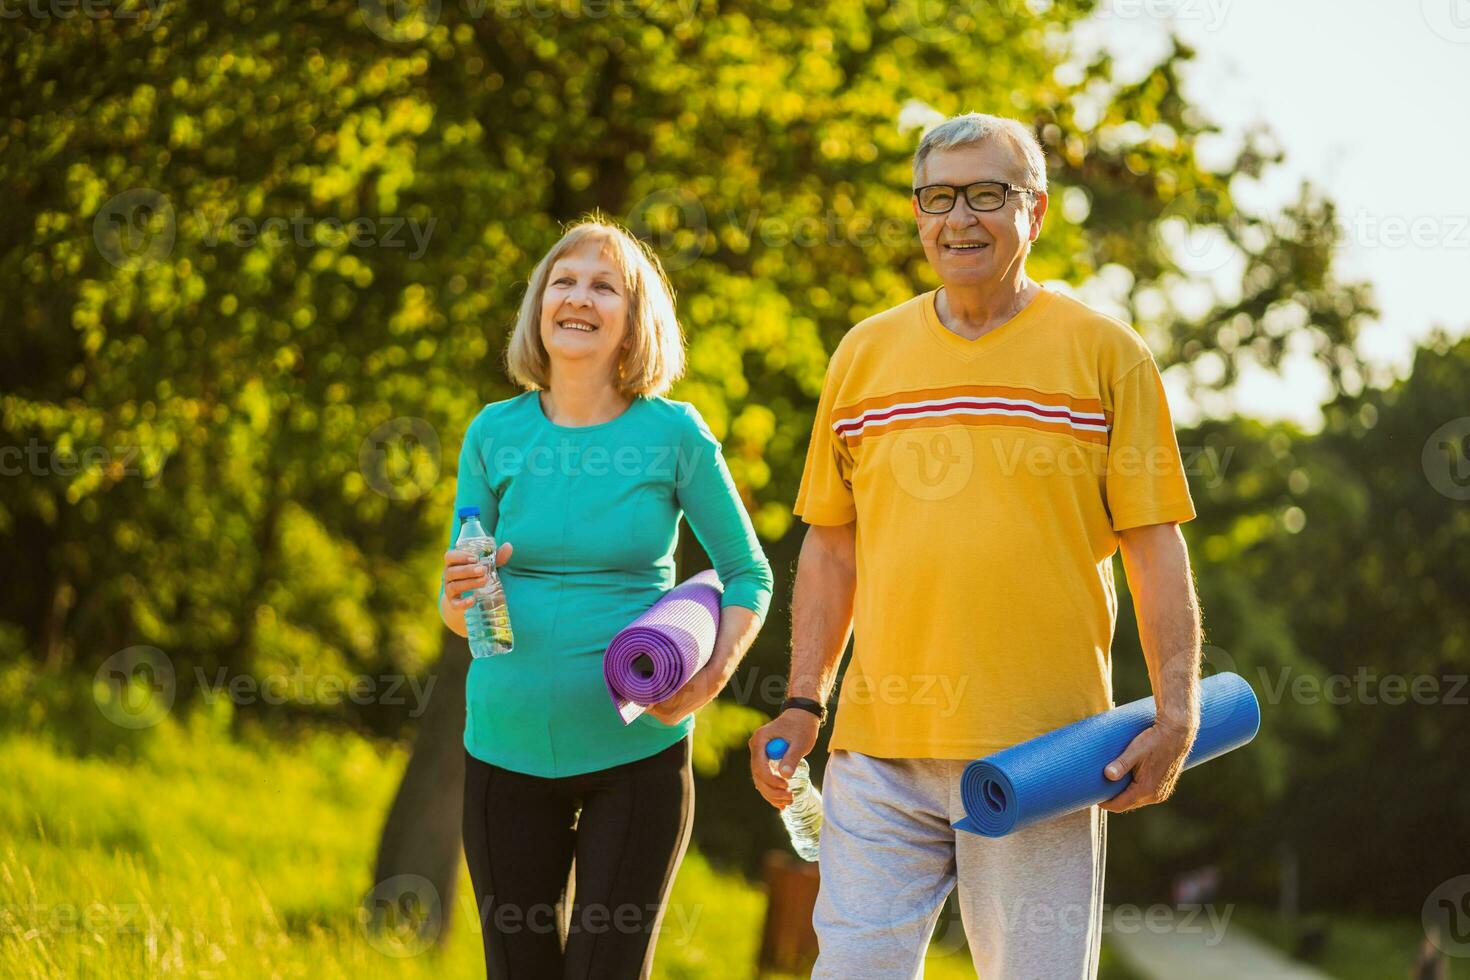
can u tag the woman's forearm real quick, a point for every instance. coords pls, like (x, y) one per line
(738, 629)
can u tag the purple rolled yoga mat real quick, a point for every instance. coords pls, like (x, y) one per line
(657, 653)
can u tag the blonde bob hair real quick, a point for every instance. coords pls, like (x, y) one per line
(655, 354)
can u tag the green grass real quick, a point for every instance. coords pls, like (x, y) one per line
(183, 853)
(1358, 947)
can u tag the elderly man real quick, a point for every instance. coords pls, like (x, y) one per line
(979, 454)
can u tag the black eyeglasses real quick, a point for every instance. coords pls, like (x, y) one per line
(983, 195)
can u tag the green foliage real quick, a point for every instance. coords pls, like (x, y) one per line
(720, 728)
(1357, 947)
(1375, 585)
(252, 370)
(268, 423)
(246, 857)
(1332, 570)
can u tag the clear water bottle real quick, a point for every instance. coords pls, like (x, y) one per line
(803, 815)
(487, 621)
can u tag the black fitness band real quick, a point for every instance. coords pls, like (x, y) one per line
(807, 704)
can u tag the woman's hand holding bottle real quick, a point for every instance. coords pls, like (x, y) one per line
(463, 574)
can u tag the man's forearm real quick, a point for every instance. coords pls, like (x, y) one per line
(821, 610)
(1157, 563)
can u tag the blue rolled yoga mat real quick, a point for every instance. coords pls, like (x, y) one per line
(1062, 771)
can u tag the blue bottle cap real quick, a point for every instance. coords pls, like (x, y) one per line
(776, 748)
(464, 512)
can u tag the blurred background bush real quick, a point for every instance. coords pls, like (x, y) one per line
(261, 261)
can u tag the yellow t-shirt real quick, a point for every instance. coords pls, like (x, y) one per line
(989, 480)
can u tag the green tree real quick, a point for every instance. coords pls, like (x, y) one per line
(296, 403)
(1375, 589)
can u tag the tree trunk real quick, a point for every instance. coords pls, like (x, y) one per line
(418, 853)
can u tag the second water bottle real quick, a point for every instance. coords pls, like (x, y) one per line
(803, 815)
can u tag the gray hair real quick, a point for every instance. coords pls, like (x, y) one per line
(977, 127)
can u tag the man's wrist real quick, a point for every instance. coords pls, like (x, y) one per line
(1177, 724)
(811, 706)
(805, 687)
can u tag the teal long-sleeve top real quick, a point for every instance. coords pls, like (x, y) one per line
(593, 513)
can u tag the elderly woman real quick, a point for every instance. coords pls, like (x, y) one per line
(582, 479)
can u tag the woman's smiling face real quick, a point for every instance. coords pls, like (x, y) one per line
(584, 308)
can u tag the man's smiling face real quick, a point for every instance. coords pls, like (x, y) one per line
(976, 248)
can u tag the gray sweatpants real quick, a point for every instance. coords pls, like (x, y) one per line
(1031, 902)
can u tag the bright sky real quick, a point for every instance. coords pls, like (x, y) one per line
(1368, 99)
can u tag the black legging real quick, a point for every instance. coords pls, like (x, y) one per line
(520, 835)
